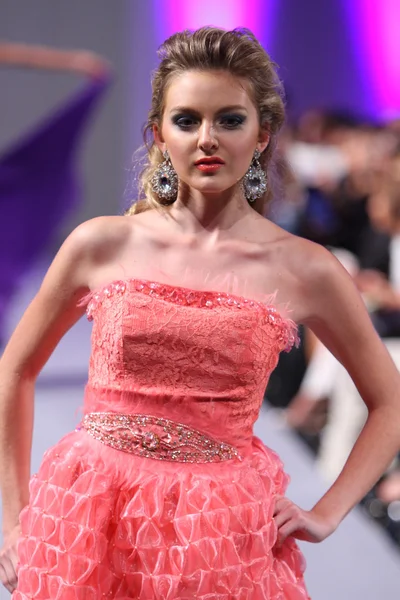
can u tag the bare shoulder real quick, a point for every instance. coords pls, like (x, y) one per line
(87, 247)
(95, 243)
(323, 283)
(291, 252)
(312, 262)
(325, 296)
(312, 280)
(99, 236)
(57, 304)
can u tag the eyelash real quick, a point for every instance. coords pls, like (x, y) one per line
(238, 121)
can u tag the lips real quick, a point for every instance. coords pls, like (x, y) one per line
(209, 160)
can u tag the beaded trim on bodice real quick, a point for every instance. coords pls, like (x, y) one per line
(182, 296)
(156, 437)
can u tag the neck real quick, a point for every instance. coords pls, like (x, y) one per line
(199, 213)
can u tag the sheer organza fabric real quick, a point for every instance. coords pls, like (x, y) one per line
(106, 523)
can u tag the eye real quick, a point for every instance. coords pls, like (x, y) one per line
(232, 121)
(184, 122)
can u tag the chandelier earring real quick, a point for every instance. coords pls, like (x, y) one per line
(255, 181)
(165, 180)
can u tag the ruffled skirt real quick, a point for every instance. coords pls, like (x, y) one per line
(105, 524)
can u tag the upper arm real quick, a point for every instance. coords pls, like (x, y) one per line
(338, 316)
(54, 309)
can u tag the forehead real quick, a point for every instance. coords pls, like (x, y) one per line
(207, 90)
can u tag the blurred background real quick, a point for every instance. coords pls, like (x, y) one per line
(74, 94)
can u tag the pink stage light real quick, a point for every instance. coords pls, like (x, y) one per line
(175, 15)
(375, 26)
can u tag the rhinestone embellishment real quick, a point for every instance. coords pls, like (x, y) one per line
(165, 180)
(117, 287)
(197, 299)
(255, 181)
(155, 437)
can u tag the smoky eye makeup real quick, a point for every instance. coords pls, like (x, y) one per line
(231, 120)
(226, 120)
(184, 120)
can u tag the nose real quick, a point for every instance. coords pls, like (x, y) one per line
(207, 140)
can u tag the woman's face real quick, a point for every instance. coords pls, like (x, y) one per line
(210, 128)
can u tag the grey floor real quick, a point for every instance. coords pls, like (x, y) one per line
(357, 562)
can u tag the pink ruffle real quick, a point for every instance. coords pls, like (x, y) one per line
(102, 523)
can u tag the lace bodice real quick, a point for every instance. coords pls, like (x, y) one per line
(163, 491)
(201, 358)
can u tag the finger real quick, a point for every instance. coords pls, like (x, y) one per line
(4, 578)
(286, 509)
(10, 587)
(285, 504)
(9, 573)
(282, 517)
(281, 502)
(13, 573)
(288, 529)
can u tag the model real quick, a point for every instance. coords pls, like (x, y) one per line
(163, 491)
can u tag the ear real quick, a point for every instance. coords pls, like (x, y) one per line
(263, 139)
(158, 139)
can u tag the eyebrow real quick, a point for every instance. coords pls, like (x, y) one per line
(192, 111)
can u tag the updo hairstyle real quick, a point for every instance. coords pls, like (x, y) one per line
(207, 49)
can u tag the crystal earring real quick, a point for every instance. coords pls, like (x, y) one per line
(255, 181)
(165, 180)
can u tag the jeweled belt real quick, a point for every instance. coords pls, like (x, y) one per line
(155, 437)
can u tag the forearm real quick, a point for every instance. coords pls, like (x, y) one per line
(376, 446)
(42, 57)
(16, 424)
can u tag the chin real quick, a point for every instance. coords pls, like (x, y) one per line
(210, 186)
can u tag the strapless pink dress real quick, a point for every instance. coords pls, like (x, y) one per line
(163, 492)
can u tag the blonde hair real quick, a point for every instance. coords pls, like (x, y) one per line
(210, 48)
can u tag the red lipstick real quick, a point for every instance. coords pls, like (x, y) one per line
(209, 164)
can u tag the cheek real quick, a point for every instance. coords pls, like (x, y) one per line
(180, 145)
(241, 149)
(243, 140)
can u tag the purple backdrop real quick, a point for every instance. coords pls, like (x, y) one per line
(39, 185)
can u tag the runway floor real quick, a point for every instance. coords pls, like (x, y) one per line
(358, 562)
